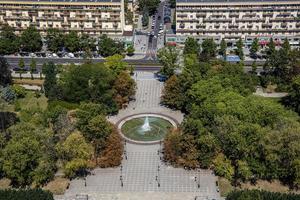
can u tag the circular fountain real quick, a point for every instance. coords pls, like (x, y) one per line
(145, 128)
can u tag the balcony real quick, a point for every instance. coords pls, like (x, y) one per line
(266, 25)
(217, 20)
(234, 15)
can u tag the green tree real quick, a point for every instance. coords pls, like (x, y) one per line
(20, 158)
(168, 57)
(254, 48)
(88, 82)
(76, 154)
(32, 67)
(172, 93)
(108, 47)
(223, 48)
(293, 99)
(31, 40)
(72, 41)
(54, 39)
(9, 42)
(253, 67)
(130, 50)
(97, 131)
(223, 167)
(21, 67)
(150, 5)
(209, 49)
(116, 63)
(5, 74)
(191, 46)
(50, 83)
(87, 43)
(239, 50)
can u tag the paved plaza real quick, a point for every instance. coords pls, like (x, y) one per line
(143, 175)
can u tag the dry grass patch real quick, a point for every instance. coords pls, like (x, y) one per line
(58, 186)
(224, 186)
(274, 186)
(5, 183)
(37, 82)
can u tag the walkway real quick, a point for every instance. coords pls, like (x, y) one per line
(142, 175)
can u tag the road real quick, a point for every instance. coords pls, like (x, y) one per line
(152, 44)
(140, 65)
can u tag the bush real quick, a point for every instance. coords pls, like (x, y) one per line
(7, 94)
(19, 91)
(261, 195)
(63, 104)
(7, 119)
(26, 194)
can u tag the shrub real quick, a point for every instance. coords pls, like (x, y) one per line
(25, 194)
(19, 91)
(7, 94)
(261, 195)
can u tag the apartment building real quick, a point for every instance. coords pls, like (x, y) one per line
(93, 17)
(234, 19)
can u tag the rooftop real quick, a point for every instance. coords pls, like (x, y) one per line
(67, 1)
(231, 1)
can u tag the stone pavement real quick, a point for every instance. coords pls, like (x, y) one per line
(143, 175)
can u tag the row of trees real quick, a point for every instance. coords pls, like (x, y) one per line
(29, 194)
(241, 136)
(31, 41)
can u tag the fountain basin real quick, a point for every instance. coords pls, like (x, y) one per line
(145, 128)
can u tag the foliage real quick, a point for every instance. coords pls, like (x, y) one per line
(25, 194)
(223, 47)
(209, 49)
(293, 99)
(32, 67)
(88, 82)
(171, 93)
(191, 46)
(168, 57)
(239, 50)
(124, 87)
(50, 83)
(242, 137)
(9, 42)
(72, 41)
(76, 154)
(7, 94)
(130, 50)
(150, 5)
(19, 91)
(31, 40)
(260, 195)
(109, 47)
(5, 74)
(54, 39)
(7, 119)
(116, 63)
(111, 155)
(26, 157)
(254, 48)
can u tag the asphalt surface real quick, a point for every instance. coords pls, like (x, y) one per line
(152, 44)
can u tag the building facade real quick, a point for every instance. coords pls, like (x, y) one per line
(234, 19)
(93, 17)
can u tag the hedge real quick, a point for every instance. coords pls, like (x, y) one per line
(260, 195)
(25, 194)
